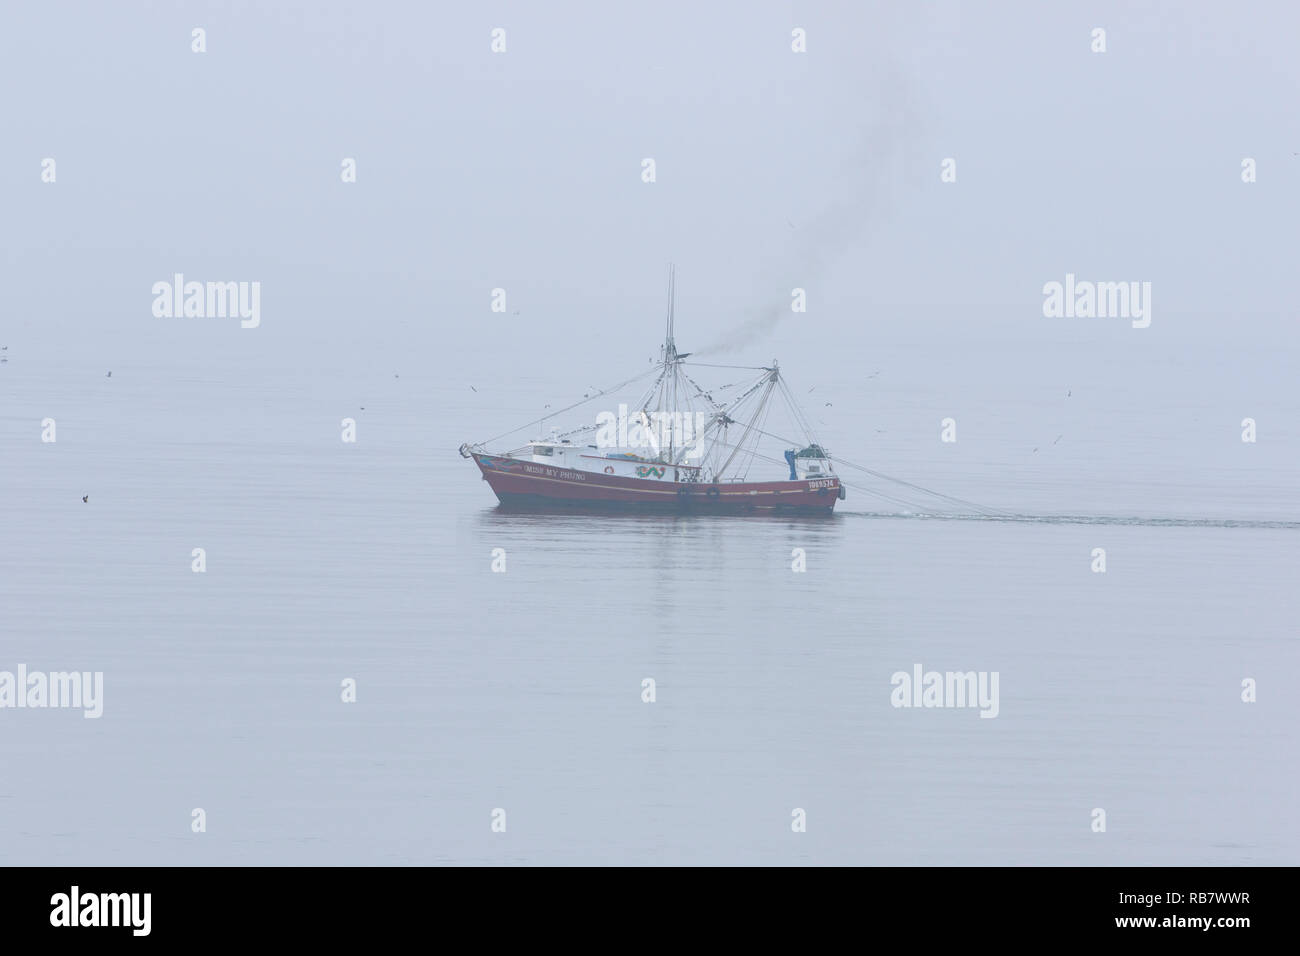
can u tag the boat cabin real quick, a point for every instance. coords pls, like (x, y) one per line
(810, 462)
(561, 453)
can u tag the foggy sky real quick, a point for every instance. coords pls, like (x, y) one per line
(522, 171)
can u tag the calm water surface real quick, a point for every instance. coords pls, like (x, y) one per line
(522, 690)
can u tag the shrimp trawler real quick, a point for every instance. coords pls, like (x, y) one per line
(680, 448)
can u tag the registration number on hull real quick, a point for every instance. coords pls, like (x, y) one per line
(822, 483)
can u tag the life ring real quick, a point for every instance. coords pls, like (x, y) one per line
(713, 491)
(609, 469)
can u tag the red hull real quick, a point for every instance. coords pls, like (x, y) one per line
(526, 484)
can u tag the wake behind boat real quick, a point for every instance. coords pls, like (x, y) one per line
(678, 450)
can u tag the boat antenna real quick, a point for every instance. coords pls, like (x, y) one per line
(670, 347)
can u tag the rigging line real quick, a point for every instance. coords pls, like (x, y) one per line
(762, 380)
(697, 421)
(756, 368)
(799, 415)
(732, 410)
(762, 413)
(907, 503)
(881, 475)
(604, 391)
(727, 414)
(577, 431)
(755, 454)
(650, 390)
(800, 418)
(737, 410)
(699, 391)
(983, 509)
(771, 384)
(767, 413)
(902, 502)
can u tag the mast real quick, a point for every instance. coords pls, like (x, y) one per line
(668, 390)
(672, 354)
